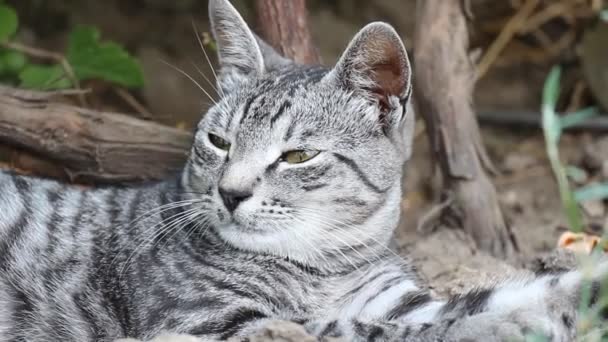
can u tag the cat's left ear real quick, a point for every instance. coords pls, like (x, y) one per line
(241, 53)
(376, 65)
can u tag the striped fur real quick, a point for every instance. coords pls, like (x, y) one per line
(306, 242)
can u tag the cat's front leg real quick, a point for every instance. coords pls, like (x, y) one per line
(547, 306)
(169, 337)
(513, 311)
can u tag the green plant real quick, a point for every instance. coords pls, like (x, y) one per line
(86, 58)
(553, 125)
(590, 318)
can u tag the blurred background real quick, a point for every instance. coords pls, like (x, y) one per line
(515, 43)
(556, 32)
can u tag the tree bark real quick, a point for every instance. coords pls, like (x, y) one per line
(284, 25)
(89, 145)
(443, 85)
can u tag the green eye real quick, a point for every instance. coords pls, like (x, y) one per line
(219, 142)
(298, 156)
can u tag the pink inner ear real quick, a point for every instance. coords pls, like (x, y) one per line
(389, 78)
(390, 81)
(388, 70)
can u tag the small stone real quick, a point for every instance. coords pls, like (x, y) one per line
(518, 161)
(605, 170)
(595, 153)
(282, 331)
(512, 200)
(593, 208)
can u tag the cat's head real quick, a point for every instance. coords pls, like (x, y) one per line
(297, 160)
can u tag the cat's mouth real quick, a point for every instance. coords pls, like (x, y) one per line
(236, 223)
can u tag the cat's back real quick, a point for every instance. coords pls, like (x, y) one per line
(52, 238)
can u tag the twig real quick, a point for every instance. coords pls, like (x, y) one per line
(24, 94)
(576, 99)
(598, 123)
(597, 5)
(434, 213)
(555, 10)
(507, 33)
(57, 57)
(132, 101)
(90, 145)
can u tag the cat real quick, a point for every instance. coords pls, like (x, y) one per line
(283, 211)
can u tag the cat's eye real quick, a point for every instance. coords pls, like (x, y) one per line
(298, 156)
(218, 142)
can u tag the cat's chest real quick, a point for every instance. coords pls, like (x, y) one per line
(227, 278)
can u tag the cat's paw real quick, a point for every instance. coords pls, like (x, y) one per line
(168, 338)
(514, 327)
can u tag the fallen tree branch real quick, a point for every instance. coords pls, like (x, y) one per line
(90, 145)
(533, 120)
(443, 87)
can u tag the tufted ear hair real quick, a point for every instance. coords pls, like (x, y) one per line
(241, 53)
(272, 59)
(375, 64)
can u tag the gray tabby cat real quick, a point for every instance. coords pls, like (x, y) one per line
(282, 212)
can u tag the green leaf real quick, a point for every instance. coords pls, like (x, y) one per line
(44, 77)
(576, 174)
(3, 67)
(551, 123)
(592, 192)
(92, 59)
(14, 61)
(551, 87)
(575, 118)
(552, 130)
(8, 22)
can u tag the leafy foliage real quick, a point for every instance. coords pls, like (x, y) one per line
(590, 317)
(552, 128)
(87, 56)
(92, 59)
(44, 77)
(8, 22)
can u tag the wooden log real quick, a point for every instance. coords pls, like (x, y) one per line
(443, 85)
(284, 25)
(90, 145)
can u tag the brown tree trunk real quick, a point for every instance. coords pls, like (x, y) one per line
(88, 145)
(443, 85)
(284, 25)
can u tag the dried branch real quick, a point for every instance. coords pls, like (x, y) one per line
(90, 145)
(444, 80)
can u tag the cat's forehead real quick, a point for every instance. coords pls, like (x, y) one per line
(295, 86)
(291, 104)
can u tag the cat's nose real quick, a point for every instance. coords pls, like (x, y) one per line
(232, 198)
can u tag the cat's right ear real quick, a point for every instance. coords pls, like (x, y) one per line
(239, 54)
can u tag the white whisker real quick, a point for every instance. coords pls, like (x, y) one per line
(190, 78)
(203, 75)
(153, 235)
(365, 234)
(200, 42)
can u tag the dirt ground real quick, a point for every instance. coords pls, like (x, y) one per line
(529, 197)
